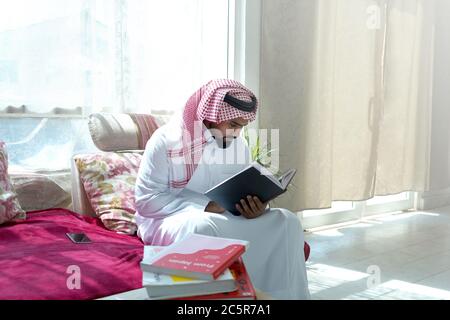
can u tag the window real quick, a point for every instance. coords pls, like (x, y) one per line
(63, 60)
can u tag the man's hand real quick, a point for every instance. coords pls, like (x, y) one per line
(214, 207)
(251, 207)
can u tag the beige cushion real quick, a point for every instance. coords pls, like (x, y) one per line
(113, 131)
(38, 191)
(123, 132)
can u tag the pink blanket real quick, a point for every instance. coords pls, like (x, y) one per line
(38, 261)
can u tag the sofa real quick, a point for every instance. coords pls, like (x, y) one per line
(39, 262)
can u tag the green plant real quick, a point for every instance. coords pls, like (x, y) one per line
(259, 152)
(262, 154)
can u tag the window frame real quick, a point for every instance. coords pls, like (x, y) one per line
(361, 210)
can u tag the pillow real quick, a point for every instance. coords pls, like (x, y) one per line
(146, 125)
(113, 131)
(42, 190)
(109, 179)
(9, 205)
(121, 131)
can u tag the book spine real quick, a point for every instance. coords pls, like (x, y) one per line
(244, 289)
(226, 265)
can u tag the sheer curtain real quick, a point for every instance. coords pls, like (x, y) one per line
(349, 83)
(62, 60)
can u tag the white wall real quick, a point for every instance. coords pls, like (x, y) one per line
(439, 176)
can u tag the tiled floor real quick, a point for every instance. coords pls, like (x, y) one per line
(398, 256)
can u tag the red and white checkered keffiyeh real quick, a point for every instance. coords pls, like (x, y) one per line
(207, 103)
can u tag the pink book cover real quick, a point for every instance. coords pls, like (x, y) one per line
(197, 256)
(245, 289)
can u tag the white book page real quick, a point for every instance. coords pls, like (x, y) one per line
(264, 171)
(286, 178)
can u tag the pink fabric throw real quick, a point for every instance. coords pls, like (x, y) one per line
(37, 258)
(207, 103)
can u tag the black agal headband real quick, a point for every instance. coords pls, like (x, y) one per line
(242, 105)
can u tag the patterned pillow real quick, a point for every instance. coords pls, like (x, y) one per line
(109, 179)
(9, 205)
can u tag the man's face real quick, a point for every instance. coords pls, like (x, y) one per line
(227, 130)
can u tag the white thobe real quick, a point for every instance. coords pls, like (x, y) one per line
(274, 259)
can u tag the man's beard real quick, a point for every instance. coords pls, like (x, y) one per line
(224, 142)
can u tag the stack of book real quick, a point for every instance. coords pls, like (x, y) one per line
(197, 267)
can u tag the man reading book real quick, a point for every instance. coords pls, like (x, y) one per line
(196, 151)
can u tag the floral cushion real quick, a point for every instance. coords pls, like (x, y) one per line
(9, 205)
(109, 179)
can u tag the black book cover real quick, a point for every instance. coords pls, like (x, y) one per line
(250, 181)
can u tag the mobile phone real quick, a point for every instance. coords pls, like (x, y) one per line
(78, 237)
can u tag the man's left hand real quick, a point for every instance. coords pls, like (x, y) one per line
(251, 207)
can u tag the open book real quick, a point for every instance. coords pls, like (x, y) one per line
(254, 180)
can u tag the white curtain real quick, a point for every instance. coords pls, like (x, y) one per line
(61, 60)
(85, 56)
(350, 84)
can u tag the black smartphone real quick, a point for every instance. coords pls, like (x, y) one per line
(78, 237)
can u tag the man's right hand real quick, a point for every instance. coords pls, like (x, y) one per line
(214, 207)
